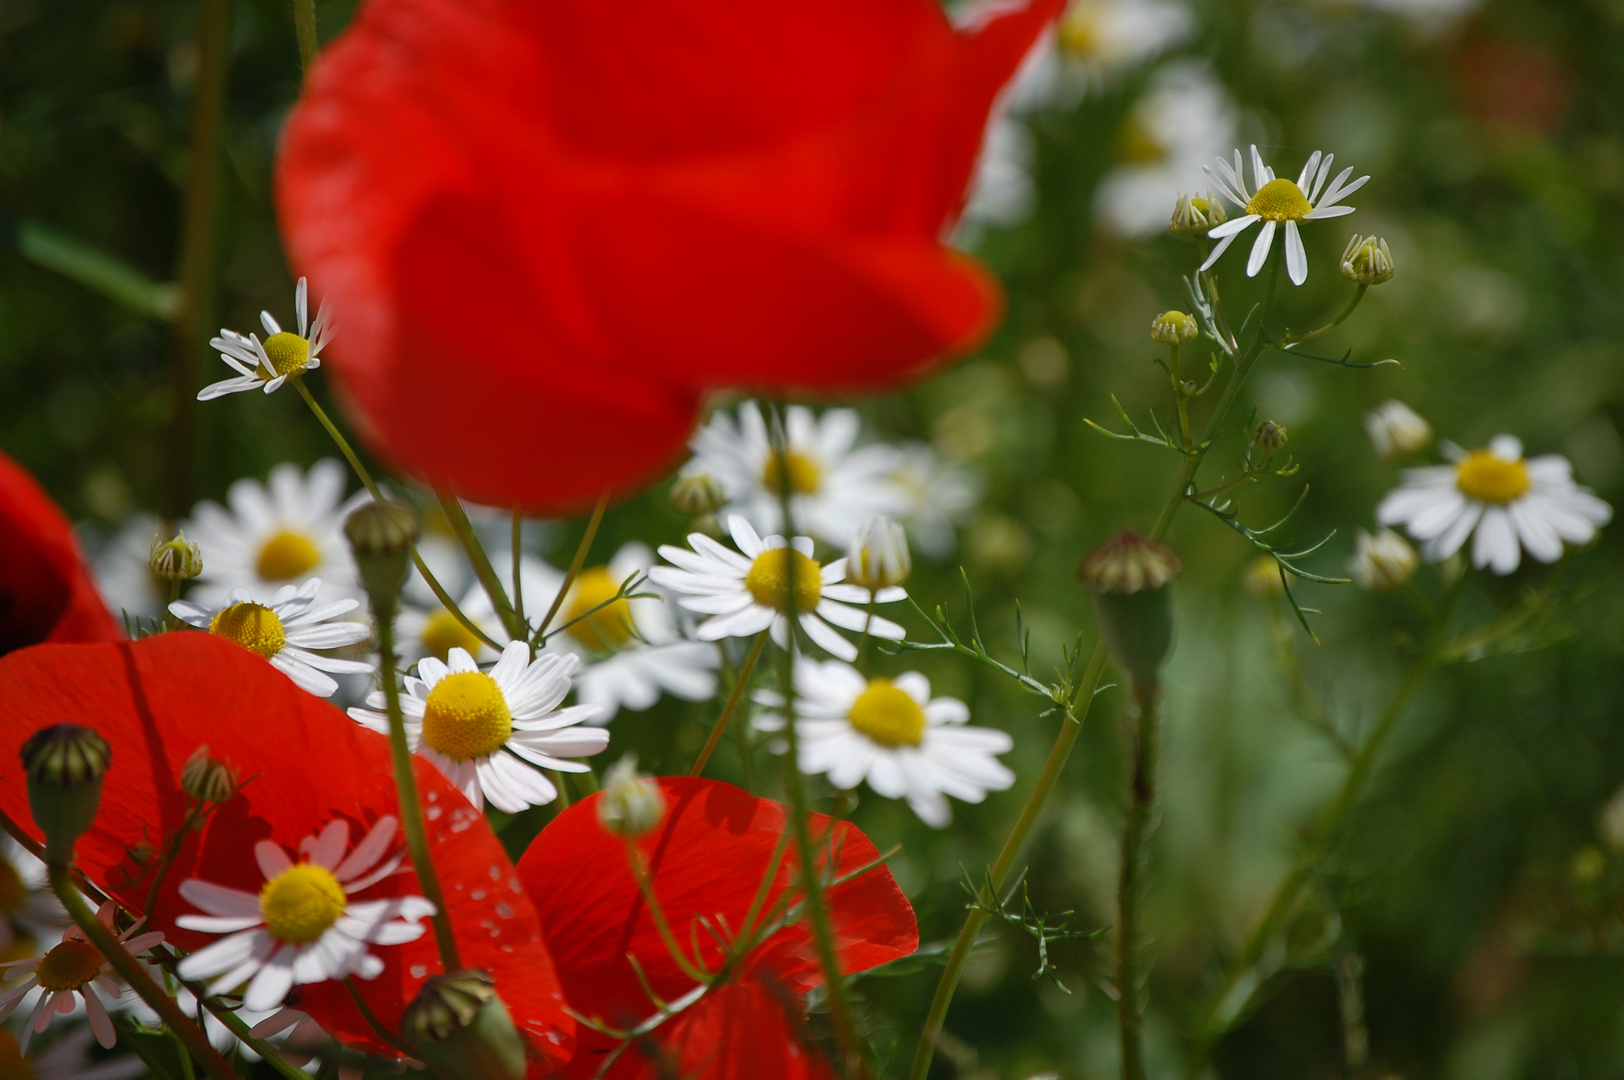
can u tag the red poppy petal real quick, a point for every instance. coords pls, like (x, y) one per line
(304, 764)
(46, 593)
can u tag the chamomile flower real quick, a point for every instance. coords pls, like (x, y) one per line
(67, 1058)
(275, 534)
(1509, 502)
(936, 497)
(285, 631)
(282, 355)
(747, 593)
(1276, 202)
(892, 733)
(476, 727)
(73, 968)
(834, 485)
(29, 913)
(302, 926)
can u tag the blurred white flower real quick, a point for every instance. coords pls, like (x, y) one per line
(123, 577)
(66, 1058)
(1001, 193)
(1383, 562)
(1094, 43)
(28, 910)
(937, 497)
(1396, 430)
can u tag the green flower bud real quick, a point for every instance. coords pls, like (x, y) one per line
(462, 1031)
(1194, 215)
(1269, 436)
(382, 534)
(878, 557)
(207, 780)
(1174, 328)
(631, 803)
(175, 560)
(696, 493)
(65, 764)
(1130, 579)
(1367, 261)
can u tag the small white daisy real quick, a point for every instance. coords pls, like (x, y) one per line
(476, 727)
(277, 533)
(67, 1058)
(835, 486)
(74, 968)
(29, 912)
(1509, 502)
(891, 732)
(1277, 201)
(937, 497)
(302, 926)
(285, 631)
(282, 356)
(746, 594)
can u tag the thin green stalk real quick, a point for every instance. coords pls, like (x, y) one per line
(411, 807)
(304, 26)
(733, 699)
(463, 530)
(132, 972)
(689, 965)
(576, 562)
(1141, 800)
(1298, 339)
(515, 561)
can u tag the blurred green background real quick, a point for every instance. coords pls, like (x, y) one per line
(1471, 886)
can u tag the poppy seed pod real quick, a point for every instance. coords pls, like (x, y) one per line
(1130, 580)
(462, 1031)
(382, 534)
(65, 764)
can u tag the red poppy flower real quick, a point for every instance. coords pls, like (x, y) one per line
(46, 593)
(555, 224)
(303, 764)
(707, 860)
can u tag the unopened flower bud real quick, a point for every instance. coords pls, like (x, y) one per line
(381, 535)
(1130, 579)
(696, 493)
(1367, 261)
(462, 1031)
(878, 557)
(631, 803)
(175, 560)
(207, 780)
(1383, 562)
(1269, 436)
(1194, 215)
(1173, 328)
(65, 764)
(1397, 431)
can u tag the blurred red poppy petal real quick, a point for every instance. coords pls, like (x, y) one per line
(157, 700)
(46, 593)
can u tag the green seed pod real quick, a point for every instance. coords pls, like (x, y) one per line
(65, 764)
(462, 1031)
(1269, 436)
(1130, 580)
(382, 534)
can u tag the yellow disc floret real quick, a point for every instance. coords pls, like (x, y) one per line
(1482, 476)
(13, 1066)
(607, 628)
(70, 966)
(805, 477)
(769, 584)
(442, 632)
(888, 715)
(253, 626)
(1279, 200)
(287, 352)
(466, 716)
(287, 555)
(300, 903)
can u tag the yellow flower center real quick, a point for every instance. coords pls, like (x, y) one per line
(771, 587)
(1079, 30)
(300, 903)
(286, 556)
(1279, 200)
(804, 475)
(70, 965)
(253, 626)
(1139, 146)
(888, 715)
(1482, 476)
(287, 352)
(13, 1066)
(13, 893)
(608, 628)
(443, 632)
(466, 716)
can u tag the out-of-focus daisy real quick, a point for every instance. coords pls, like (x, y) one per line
(747, 593)
(892, 733)
(303, 925)
(66, 1058)
(834, 485)
(29, 914)
(1095, 42)
(476, 727)
(1396, 430)
(1383, 562)
(936, 497)
(1276, 202)
(1001, 192)
(274, 534)
(285, 631)
(283, 354)
(74, 968)
(302, 1041)
(1509, 502)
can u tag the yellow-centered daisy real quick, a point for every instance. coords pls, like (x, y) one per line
(1279, 202)
(283, 354)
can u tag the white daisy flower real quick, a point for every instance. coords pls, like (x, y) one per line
(282, 356)
(73, 969)
(835, 486)
(937, 497)
(1277, 201)
(1509, 502)
(285, 631)
(1001, 193)
(463, 720)
(29, 912)
(1094, 43)
(891, 732)
(275, 534)
(302, 926)
(67, 1058)
(746, 594)
(1396, 430)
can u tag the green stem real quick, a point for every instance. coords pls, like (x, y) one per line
(304, 26)
(373, 1022)
(1298, 339)
(515, 559)
(131, 971)
(576, 562)
(1141, 799)
(645, 886)
(733, 698)
(489, 580)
